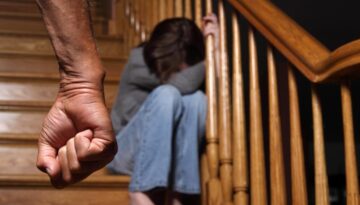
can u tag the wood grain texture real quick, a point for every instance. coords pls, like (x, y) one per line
(224, 112)
(257, 158)
(298, 175)
(308, 55)
(352, 186)
(239, 142)
(321, 180)
(20, 159)
(198, 12)
(109, 47)
(277, 171)
(188, 9)
(35, 196)
(178, 8)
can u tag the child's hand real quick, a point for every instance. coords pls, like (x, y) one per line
(210, 26)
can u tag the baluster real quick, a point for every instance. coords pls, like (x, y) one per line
(179, 8)
(224, 111)
(205, 176)
(240, 164)
(198, 12)
(321, 181)
(155, 15)
(170, 8)
(162, 13)
(298, 185)
(257, 160)
(188, 9)
(352, 189)
(277, 173)
(214, 185)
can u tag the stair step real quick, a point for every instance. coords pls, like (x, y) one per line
(39, 44)
(37, 66)
(22, 93)
(36, 190)
(31, 7)
(19, 158)
(33, 23)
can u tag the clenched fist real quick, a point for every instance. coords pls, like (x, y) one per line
(77, 137)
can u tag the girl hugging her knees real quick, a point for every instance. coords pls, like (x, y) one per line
(160, 113)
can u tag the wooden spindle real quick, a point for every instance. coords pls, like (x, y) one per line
(215, 195)
(352, 187)
(205, 176)
(321, 181)
(277, 173)
(257, 160)
(188, 9)
(298, 178)
(240, 164)
(179, 8)
(224, 111)
(162, 10)
(198, 12)
(170, 8)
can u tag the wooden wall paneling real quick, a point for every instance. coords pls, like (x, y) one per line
(352, 187)
(239, 142)
(298, 175)
(257, 159)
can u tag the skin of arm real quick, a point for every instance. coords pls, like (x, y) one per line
(77, 137)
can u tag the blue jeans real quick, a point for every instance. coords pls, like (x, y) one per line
(160, 145)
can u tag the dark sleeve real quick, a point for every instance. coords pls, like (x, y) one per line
(188, 80)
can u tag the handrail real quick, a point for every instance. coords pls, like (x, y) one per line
(308, 55)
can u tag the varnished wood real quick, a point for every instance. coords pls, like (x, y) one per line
(188, 9)
(224, 111)
(162, 9)
(170, 8)
(239, 148)
(179, 12)
(298, 178)
(198, 12)
(321, 181)
(277, 173)
(352, 187)
(308, 55)
(215, 195)
(257, 159)
(205, 177)
(39, 44)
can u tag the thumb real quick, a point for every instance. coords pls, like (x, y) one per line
(47, 160)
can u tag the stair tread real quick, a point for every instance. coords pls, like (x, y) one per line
(39, 44)
(43, 180)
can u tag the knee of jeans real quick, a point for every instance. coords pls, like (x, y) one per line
(168, 96)
(199, 98)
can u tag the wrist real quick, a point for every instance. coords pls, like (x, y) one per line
(83, 77)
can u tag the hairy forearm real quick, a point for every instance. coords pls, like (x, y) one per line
(69, 27)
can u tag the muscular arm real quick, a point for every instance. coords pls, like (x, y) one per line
(77, 137)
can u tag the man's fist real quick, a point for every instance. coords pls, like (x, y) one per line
(77, 137)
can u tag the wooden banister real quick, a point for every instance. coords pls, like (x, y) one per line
(308, 55)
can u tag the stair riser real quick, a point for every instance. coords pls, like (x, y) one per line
(36, 25)
(20, 159)
(48, 196)
(39, 92)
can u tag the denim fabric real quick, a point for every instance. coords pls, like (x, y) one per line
(159, 147)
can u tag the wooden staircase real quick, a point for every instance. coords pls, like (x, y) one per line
(28, 86)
